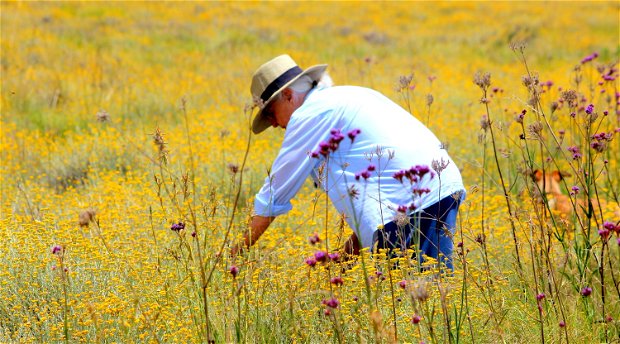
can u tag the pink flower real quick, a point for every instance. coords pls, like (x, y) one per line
(56, 249)
(234, 271)
(586, 291)
(311, 262)
(337, 281)
(320, 256)
(353, 133)
(334, 256)
(314, 239)
(332, 303)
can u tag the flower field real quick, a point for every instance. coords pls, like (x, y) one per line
(127, 170)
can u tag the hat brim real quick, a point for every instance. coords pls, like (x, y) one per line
(260, 122)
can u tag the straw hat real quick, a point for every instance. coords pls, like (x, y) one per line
(273, 77)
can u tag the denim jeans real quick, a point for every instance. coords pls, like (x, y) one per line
(436, 226)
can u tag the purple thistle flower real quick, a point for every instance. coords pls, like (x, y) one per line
(586, 291)
(332, 303)
(604, 233)
(314, 239)
(324, 148)
(423, 170)
(371, 167)
(177, 226)
(590, 109)
(320, 256)
(609, 226)
(311, 262)
(56, 249)
(334, 256)
(589, 58)
(609, 77)
(421, 191)
(365, 174)
(234, 271)
(416, 319)
(562, 323)
(540, 296)
(399, 176)
(337, 281)
(402, 209)
(353, 133)
(575, 189)
(403, 284)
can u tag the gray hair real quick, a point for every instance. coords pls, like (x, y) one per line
(305, 84)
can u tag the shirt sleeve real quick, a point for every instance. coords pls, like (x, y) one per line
(293, 164)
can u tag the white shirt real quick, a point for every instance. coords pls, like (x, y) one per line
(384, 126)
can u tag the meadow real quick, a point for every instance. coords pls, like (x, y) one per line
(127, 168)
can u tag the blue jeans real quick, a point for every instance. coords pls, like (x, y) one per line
(436, 226)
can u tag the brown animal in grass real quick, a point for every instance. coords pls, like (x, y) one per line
(549, 183)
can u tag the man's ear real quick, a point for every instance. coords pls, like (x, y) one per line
(287, 94)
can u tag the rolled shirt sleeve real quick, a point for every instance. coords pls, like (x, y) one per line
(293, 163)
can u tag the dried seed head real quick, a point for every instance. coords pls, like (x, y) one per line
(258, 102)
(103, 116)
(429, 99)
(482, 80)
(530, 81)
(419, 291)
(554, 106)
(440, 165)
(233, 168)
(569, 96)
(160, 143)
(485, 123)
(401, 219)
(404, 81)
(518, 46)
(535, 129)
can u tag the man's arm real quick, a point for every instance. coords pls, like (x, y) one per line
(258, 226)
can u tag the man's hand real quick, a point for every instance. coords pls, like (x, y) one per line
(258, 226)
(352, 245)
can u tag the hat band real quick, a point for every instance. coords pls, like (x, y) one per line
(280, 81)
